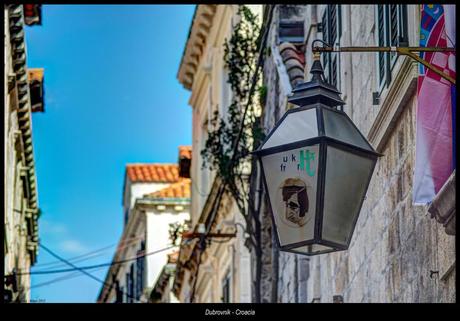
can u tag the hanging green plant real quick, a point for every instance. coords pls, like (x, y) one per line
(227, 149)
(240, 54)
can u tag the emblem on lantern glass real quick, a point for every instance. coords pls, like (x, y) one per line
(295, 197)
(294, 179)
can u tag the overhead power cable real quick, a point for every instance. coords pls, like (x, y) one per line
(83, 271)
(87, 256)
(69, 276)
(89, 267)
(75, 258)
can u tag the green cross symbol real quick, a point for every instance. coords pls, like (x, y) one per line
(305, 163)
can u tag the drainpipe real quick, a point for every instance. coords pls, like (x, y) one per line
(349, 62)
(296, 279)
(275, 260)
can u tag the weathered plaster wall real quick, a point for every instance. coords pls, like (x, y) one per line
(15, 238)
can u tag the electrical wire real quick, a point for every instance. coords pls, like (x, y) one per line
(56, 264)
(61, 278)
(221, 241)
(83, 271)
(97, 265)
(61, 265)
(41, 265)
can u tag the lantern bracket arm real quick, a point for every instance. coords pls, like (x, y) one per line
(406, 51)
(193, 235)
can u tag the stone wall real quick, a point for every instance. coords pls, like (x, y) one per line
(396, 245)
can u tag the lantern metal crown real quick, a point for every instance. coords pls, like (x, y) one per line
(317, 167)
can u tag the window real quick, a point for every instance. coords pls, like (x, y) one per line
(205, 171)
(140, 261)
(128, 287)
(331, 28)
(131, 283)
(226, 95)
(119, 292)
(36, 95)
(391, 32)
(291, 31)
(126, 215)
(226, 284)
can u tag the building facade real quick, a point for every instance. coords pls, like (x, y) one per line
(154, 197)
(399, 252)
(162, 291)
(23, 94)
(220, 272)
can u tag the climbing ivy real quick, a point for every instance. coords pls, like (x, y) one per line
(228, 152)
(240, 54)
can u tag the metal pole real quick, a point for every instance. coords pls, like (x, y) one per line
(407, 51)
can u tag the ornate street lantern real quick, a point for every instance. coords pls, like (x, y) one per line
(316, 167)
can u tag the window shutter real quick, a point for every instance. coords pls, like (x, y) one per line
(393, 24)
(334, 39)
(119, 292)
(402, 25)
(138, 278)
(332, 8)
(381, 42)
(140, 271)
(131, 290)
(122, 297)
(392, 31)
(325, 29)
(339, 20)
(128, 288)
(332, 30)
(334, 71)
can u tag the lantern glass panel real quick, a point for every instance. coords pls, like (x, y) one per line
(346, 181)
(338, 126)
(296, 126)
(291, 178)
(314, 248)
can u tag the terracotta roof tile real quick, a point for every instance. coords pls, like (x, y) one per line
(294, 60)
(180, 189)
(172, 257)
(185, 159)
(154, 173)
(185, 152)
(32, 14)
(35, 74)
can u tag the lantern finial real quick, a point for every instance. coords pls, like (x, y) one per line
(317, 90)
(317, 69)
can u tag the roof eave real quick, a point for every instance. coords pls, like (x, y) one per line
(193, 50)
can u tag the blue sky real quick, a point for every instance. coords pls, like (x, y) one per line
(111, 98)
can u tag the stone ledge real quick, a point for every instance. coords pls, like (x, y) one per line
(443, 206)
(394, 100)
